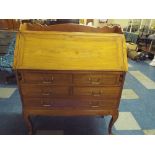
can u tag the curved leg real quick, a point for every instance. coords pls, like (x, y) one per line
(28, 124)
(112, 121)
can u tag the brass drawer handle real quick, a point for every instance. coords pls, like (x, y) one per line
(46, 82)
(97, 82)
(95, 106)
(46, 94)
(46, 105)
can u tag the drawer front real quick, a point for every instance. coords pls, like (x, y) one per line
(46, 78)
(48, 103)
(96, 104)
(45, 91)
(103, 92)
(97, 79)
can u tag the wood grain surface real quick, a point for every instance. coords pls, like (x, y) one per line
(70, 51)
(69, 73)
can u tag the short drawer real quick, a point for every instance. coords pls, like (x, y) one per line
(97, 79)
(45, 78)
(104, 92)
(45, 91)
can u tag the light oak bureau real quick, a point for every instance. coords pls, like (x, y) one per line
(70, 70)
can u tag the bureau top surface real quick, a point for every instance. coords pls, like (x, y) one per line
(70, 51)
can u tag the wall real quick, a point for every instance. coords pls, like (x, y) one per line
(122, 22)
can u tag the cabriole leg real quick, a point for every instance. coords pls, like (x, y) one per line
(28, 124)
(112, 121)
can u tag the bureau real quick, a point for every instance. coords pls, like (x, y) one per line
(69, 73)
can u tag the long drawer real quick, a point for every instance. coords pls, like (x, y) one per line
(31, 90)
(97, 92)
(49, 103)
(69, 78)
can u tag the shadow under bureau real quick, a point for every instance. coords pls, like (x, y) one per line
(53, 84)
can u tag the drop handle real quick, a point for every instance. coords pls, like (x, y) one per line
(95, 106)
(46, 94)
(96, 93)
(46, 82)
(97, 81)
(46, 105)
